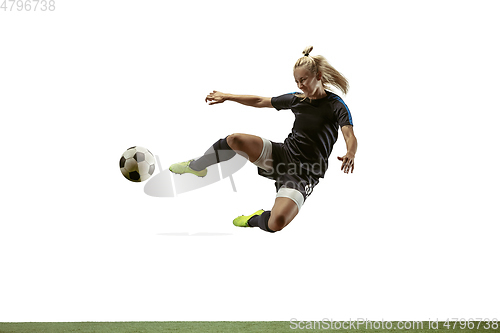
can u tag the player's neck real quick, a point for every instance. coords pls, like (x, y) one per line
(320, 93)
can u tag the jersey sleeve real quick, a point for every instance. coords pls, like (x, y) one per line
(283, 101)
(343, 114)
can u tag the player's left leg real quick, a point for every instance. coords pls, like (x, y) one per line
(292, 193)
(286, 206)
(282, 213)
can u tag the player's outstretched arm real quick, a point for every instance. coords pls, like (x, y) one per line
(352, 145)
(217, 97)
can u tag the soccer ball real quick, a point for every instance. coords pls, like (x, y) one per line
(137, 164)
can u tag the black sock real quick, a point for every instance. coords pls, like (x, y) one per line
(261, 221)
(219, 152)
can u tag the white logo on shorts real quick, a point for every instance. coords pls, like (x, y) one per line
(308, 189)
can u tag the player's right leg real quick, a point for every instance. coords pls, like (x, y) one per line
(256, 149)
(249, 146)
(184, 167)
(220, 151)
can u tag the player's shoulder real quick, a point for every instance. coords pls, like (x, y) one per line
(333, 97)
(293, 95)
(336, 100)
(290, 95)
(285, 101)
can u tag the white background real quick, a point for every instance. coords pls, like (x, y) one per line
(411, 234)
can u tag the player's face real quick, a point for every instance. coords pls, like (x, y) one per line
(306, 81)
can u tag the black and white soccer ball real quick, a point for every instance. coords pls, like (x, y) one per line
(137, 164)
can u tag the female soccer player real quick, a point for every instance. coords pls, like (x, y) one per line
(301, 160)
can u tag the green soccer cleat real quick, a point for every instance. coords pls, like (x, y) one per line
(242, 221)
(183, 167)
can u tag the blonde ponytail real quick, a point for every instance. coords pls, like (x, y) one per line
(307, 50)
(330, 76)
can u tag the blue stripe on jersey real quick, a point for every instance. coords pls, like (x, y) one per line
(341, 101)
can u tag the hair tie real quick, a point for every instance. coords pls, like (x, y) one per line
(306, 55)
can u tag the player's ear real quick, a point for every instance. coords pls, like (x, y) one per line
(319, 76)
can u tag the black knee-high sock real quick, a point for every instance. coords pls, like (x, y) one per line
(261, 221)
(219, 152)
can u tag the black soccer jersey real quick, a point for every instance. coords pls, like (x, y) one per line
(315, 129)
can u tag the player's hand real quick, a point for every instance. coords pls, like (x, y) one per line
(347, 163)
(215, 97)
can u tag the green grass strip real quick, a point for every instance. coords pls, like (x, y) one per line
(231, 327)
